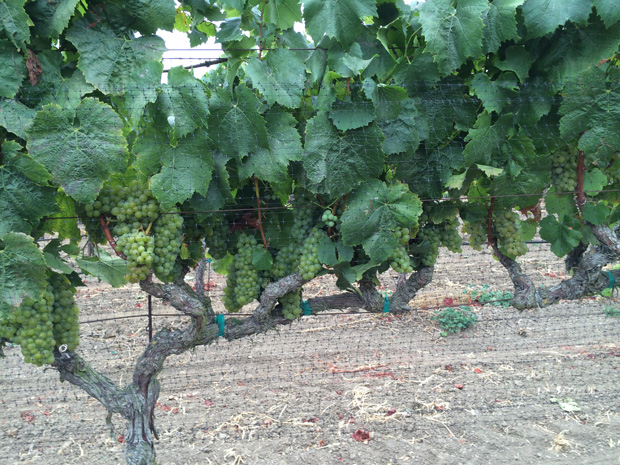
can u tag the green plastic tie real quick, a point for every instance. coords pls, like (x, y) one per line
(305, 306)
(612, 281)
(221, 322)
(386, 303)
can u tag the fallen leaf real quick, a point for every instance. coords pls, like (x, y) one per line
(361, 436)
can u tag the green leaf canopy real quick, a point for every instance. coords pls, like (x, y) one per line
(73, 147)
(374, 211)
(337, 162)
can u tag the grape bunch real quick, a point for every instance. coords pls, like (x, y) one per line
(309, 263)
(399, 260)
(216, 239)
(478, 234)
(167, 230)
(33, 328)
(65, 313)
(449, 235)
(564, 169)
(508, 233)
(150, 237)
(138, 248)
(243, 281)
(38, 326)
(329, 218)
(287, 258)
(431, 235)
(291, 305)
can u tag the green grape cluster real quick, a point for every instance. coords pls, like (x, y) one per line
(128, 204)
(38, 326)
(449, 235)
(291, 305)
(243, 281)
(138, 248)
(34, 328)
(287, 258)
(329, 218)
(65, 313)
(168, 234)
(309, 263)
(478, 234)
(564, 169)
(431, 235)
(216, 239)
(402, 235)
(148, 236)
(508, 233)
(399, 260)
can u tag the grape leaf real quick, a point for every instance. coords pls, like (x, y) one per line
(591, 114)
(51, 17)
(542, 17)
(279, 77)
(373, 212)
(594, 181)
(563, 239)
(109, 269)
(561, 205)
(575, 49)
(327, 251)
(595, 214)
(151, 15)
(14, 23)
(15, 116)
(22, 202)
(405, 132)
(420, 70)
(608, 10)
(495, 94)
(453, 34)
(500, 24)
(54, 87)
(517, 59)
(114, 64)
(23, 271)
(272, 164)
(261, 259)
(72, 146)
(235, 124)
(347, 114)
(186, 168)
(185, 100)
(336, 163)
(51, 252)
(340, 19)
(12, 71)
(283, 13)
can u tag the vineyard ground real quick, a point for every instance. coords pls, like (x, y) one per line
(539, 386)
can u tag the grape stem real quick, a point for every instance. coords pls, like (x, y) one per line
(260, 221)
(581, 197)
(108, 235)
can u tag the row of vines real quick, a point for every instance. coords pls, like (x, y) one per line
(367, 139)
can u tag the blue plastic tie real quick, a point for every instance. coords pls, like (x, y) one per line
(386, 303)
(305, 306)
(221, 322)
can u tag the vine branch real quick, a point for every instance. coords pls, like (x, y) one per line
(108, 235)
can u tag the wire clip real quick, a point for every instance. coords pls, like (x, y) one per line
(305, 306)
(220, 319)
(386, 303)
